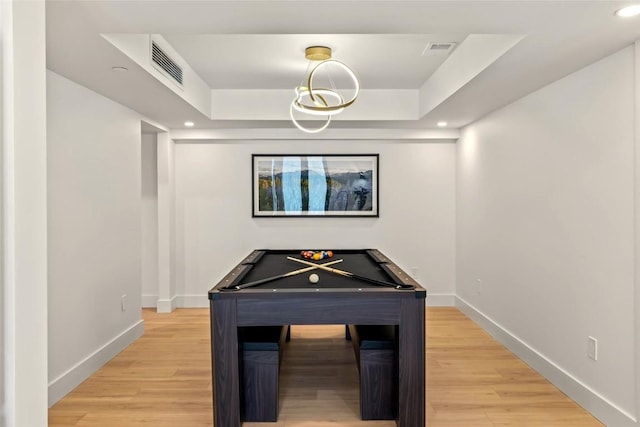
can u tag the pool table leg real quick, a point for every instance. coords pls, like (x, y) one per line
(224, 368)
(411, 364)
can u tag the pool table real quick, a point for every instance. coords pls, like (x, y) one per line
(388, 297)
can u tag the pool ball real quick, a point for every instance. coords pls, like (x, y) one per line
(314, 278)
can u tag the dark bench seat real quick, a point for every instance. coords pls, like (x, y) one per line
(376, 355)
(260, 349)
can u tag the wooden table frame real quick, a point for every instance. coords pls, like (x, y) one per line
(382, 306)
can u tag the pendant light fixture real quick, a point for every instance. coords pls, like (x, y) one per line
(317, 93)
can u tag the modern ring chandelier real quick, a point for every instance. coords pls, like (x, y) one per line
(314, 99)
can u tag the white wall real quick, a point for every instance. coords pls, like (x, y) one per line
(166, 225)
(3, 385)
(24, 214)
(94, 218)
(214, 227)
(545, 219)
(149, 220)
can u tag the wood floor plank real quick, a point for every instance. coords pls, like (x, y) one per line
(164, 380)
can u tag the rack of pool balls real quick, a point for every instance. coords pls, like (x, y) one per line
(316, 255)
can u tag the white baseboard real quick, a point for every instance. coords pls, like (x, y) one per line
(193, 301)
(66, 382)
(440, 300)
(149, 301)
(162, 305)
(598, 406)
(166, 305)
(178, 301)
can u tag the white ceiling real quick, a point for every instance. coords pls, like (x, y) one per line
(276, 61)
(247, 56)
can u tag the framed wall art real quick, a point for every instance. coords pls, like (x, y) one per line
(335, 185)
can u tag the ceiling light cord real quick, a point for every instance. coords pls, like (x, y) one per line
(332, 109)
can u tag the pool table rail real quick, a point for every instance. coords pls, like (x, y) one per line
(395, 273)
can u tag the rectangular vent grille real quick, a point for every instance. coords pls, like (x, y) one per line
(435, 48)
(165, 63)
(440, 46)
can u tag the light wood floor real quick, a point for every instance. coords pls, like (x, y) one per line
(164, 380)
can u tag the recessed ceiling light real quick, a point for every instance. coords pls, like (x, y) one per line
(442, 124)
(628, 11)
(188, 124)
(118, 68)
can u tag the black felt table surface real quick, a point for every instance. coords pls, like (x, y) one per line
(275, 262)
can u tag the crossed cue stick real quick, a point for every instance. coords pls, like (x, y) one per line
(282, 276)
(314, 266)
(351, 275)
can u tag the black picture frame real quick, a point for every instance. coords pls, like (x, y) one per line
(315, 185)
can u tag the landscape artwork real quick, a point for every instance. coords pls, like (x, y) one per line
(315, 185)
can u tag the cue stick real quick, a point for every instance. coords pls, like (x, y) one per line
(353, 276)
(281, 276)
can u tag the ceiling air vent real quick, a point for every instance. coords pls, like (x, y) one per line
(438, 48)
(162, 61)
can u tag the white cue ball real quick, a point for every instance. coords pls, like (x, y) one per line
(314, 278)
